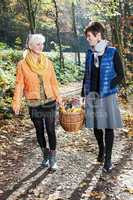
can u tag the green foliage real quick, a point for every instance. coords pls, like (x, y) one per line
(11, 55)
(70, 72)
(14, 55)
(7, 77)
(18, 43)
(7, 81)
(5, 85)
(104, 11)
(3, 45)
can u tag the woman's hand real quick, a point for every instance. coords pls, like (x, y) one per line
(60, 102)
(16, 110)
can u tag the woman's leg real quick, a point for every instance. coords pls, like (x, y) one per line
(50, 127)
(109, 139)
(99, 137)
(36, 115)
(39, 126)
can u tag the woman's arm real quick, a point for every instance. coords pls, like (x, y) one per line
(54, 83)
(18, 92)
(120, 77)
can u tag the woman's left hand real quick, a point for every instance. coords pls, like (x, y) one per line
(60, 102)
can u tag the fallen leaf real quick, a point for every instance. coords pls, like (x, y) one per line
(130, 133)
(130, 190)
(83, 184)
(125, 130)
(55, 196)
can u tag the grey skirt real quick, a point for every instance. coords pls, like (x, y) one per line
(102, 112)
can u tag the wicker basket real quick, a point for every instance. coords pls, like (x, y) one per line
(71, 122)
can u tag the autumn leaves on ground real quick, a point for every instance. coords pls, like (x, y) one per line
(79, 176)
(18, 143)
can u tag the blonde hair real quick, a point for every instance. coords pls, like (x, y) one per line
(34, 39)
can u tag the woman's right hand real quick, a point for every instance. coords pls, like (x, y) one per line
(16, 110)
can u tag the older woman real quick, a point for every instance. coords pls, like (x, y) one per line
(36, 79)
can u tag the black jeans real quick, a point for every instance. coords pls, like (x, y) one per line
(109, 139)
(44, 114)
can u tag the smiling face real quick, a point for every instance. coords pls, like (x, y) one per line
(93, 39)
(36, 43)
(37, 47)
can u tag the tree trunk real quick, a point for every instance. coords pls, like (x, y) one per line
(116, 33)
(127, 34)
(75, 33)
(58, 35)
(31, 15)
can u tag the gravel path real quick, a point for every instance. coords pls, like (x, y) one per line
(79, 175)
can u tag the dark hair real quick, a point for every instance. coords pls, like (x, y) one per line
(94, 28)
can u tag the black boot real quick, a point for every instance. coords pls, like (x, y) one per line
(109, 138)
(99, 137)
(100, 157)
(45, 162)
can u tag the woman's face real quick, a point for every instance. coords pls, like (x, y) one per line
(37, 47)
(92, 39)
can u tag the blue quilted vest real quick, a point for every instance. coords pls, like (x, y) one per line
(107, 72)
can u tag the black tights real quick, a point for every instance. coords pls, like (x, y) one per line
(38, 115)
(109, 138)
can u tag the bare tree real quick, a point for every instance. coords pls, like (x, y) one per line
(75, 32)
